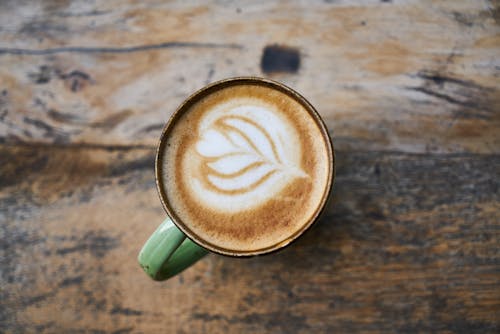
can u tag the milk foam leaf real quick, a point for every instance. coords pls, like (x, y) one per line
(251, 178)
(241, 155)
(236, 137)
(215, 144)
(232, 164)
(256, 135)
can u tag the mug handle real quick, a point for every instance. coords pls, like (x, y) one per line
(168, 252)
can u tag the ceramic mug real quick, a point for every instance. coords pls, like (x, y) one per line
(172, 248)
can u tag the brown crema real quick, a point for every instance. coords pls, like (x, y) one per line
(244, 166)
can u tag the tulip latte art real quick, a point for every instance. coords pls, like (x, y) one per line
(245, 167)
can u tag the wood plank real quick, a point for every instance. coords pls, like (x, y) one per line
(413, 76)
(394, 253)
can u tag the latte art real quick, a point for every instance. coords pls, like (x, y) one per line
(244, 168)
(247, 156)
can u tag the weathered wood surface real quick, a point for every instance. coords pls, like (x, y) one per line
(409, 90)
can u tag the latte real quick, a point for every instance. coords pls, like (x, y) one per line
(244, 166)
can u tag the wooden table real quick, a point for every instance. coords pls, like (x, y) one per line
(408, 89)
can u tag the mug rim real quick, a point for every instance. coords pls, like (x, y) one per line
(193, 99)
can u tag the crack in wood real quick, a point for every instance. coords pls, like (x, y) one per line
(442, 96)
(440, 79)
(97, 243)
(125, 311)
(481, 112)
(126, 49)
(472, 99)
(83, 145)
(77, 280)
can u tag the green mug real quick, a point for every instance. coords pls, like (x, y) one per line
(168, 252)
(174, 245)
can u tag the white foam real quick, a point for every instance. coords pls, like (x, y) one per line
(228, 195)
(250, 153)
(214, 144)
(257, 136)
(241, 182)
(234, 164)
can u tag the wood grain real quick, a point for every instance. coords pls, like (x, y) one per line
(417, 76)
(408, 89)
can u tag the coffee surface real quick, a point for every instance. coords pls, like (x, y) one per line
(245, 168)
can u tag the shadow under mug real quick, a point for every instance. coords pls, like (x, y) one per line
(171, 249)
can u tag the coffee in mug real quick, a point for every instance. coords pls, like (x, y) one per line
(244, 166)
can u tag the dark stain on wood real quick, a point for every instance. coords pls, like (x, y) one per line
(125, 311)
(94, 301)
(3, 105)
(152, 127)
(470, 99)
(42, 328)
(70, 170)
(69, 281)
(27, 163)
(43, 29)
(42, 76)
(63, 117)
(495, 11)
(97, 243)
(51, 6)
(113, 120)
(456, 325)
(211, 72)
(49, 131)
(142, 164)
(278, 58)
(441, 79)
(40, 124)
(76, 80)
(123, 330)
(15, 240)
(463, 19)
(36, 299)
(83, 14)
